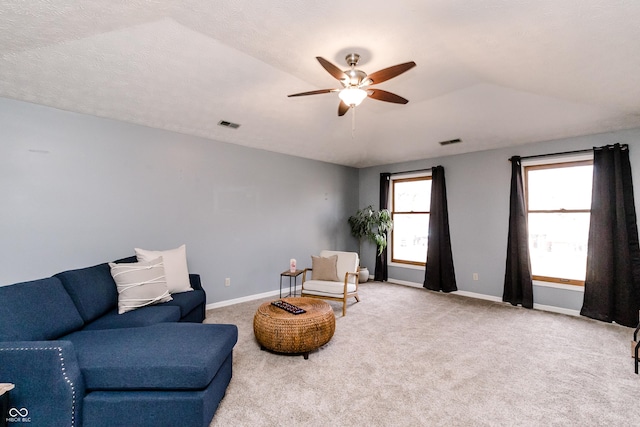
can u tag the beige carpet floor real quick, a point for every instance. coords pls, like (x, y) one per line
(410, 357)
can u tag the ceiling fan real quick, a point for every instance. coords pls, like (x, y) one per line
(356, 84)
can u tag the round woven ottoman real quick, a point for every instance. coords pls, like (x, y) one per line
(283, 332)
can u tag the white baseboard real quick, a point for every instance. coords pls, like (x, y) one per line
(478, 296)
(405, 283)
(554, 309)
(493, 298)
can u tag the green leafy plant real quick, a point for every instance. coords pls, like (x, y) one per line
(373, 225)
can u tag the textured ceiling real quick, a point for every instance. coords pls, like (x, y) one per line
(494, 73)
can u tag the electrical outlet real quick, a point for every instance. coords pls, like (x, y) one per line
(227, 281)
(475, 276)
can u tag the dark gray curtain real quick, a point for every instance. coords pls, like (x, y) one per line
(440, 274)
(518, 284)
(611, 287)
(382, 271)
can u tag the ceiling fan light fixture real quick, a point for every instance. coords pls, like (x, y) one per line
(352, 96)
(355, 83)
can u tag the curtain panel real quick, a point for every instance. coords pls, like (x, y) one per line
(518, 283)
(612, 284)
(381, 269)
(439, 274)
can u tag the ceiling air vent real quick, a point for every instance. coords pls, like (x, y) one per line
(451, 141)
(228, 124)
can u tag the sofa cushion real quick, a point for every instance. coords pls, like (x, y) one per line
(150, 408)
(145, 358)
(37, 310)
(140, 284)
(187, 301)
(145, 316)
(92, 290)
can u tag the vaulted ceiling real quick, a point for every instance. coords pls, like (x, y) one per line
(493, 73)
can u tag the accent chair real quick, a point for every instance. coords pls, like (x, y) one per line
(333, 276)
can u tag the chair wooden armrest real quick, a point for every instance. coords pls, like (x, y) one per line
(304, 274)
(356, 275)
(346, 280)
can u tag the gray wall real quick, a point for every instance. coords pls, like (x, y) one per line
(78, 190)
(478, 200)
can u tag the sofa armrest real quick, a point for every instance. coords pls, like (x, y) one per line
(49, 387)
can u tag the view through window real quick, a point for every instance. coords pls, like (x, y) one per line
(559, 204)
(411, 199)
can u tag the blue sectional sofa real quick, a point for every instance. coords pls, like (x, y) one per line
(76, 362)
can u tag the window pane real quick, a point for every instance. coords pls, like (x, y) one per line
(560, 188)
(412, 196)
(558, 244)
(410, 235)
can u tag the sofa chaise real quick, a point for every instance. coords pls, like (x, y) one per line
(76, 362)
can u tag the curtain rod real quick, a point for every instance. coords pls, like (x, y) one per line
(413, 171)
(556, 154)
(588, 150)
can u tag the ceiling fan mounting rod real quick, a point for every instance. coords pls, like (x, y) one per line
(352, 59)
(354, 77)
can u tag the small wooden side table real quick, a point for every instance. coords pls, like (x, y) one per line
(293, 279)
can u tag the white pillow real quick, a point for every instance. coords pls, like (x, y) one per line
(175, 267)
(140, 284)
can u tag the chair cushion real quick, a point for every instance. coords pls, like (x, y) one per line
(347, 263)
(37, 310)
(187, 301)
(327, 287)
(145, 316)
(165, 356)
(92, 290)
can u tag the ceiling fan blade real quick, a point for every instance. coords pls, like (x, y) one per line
(342, 108)
(332, 69)
(383, 95)
(313, 92)
(389, 73)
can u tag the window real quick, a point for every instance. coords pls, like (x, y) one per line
(558, 207)
(411, 199)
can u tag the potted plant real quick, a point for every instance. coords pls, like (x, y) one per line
(372, 225)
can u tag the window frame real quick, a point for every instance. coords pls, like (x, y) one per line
(560, 162)
(422, 176)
